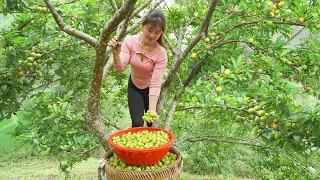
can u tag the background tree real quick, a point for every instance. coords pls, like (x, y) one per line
(231, 70)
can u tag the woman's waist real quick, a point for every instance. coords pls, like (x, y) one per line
(140, 82)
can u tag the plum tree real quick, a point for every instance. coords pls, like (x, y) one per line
(44, 65)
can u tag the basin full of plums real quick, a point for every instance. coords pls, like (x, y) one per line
(116, 162)
(141, 145)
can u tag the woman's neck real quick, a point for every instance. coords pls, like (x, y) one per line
(143, 44)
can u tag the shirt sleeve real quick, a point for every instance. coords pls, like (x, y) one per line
(124, 55)
(159, 69)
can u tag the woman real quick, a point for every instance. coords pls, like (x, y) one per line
(148, 59)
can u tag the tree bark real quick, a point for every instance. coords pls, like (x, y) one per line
(93, 103)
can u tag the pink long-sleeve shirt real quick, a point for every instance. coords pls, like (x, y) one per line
(143, 74)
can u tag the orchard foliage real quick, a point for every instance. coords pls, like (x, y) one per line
(250, 82)
(269, 76)
(36, 56)
(266, 74)
(46, 73)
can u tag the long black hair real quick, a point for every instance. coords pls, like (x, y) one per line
(156, 17)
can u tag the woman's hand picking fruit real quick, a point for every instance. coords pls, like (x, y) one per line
(150, 116)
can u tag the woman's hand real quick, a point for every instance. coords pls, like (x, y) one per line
(116, 46)
(150, 116)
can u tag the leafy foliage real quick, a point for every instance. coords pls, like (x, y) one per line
(46, 73)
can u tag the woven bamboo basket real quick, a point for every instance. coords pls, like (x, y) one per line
(171, 172)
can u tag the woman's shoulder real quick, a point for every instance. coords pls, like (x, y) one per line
(161, 51)
(132, 38)
(131, 41)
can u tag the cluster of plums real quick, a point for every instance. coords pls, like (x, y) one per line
(142, 139)
(115, 162)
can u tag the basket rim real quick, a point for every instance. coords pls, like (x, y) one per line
(164, 146)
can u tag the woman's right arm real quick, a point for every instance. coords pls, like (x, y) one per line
(120, 54)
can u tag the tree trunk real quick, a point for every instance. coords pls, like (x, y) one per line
(93, 103)
(160, 105)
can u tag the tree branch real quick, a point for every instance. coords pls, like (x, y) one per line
(238, 40)
(289, 23)
(252, 23)
(172, 49)
(88, 150)
(194, 72)
(215, 106)
(182, 31)
(134, 26)
(26, 23)
(179, 39)
(70, 2)
(295, 35)
(143, 6)
(123, 13)
(65, 46)
(109, 122)
(114, 5)
(240, 25)
(189, 22)
(179, 59)
(178, 95)
(68, 29)
(214, 138)
(218, 22)
(203, 26)
(261, 17)
(299, 165)
(94, 97)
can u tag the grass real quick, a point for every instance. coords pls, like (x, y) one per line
(48, 169)
(16, 163)
(86, 170)
(7, 127)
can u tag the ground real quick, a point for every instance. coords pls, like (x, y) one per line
(86, 170)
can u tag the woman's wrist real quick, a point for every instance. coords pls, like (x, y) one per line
(115, 52)
(153, 111)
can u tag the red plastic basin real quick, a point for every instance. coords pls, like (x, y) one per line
(138, 157)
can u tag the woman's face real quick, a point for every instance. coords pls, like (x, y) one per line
(151, 33)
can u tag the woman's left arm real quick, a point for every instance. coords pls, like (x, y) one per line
(155, 85)
(153, 101)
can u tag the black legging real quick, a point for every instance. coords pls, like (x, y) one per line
(138, 100)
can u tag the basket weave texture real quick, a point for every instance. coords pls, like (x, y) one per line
(171, 172)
